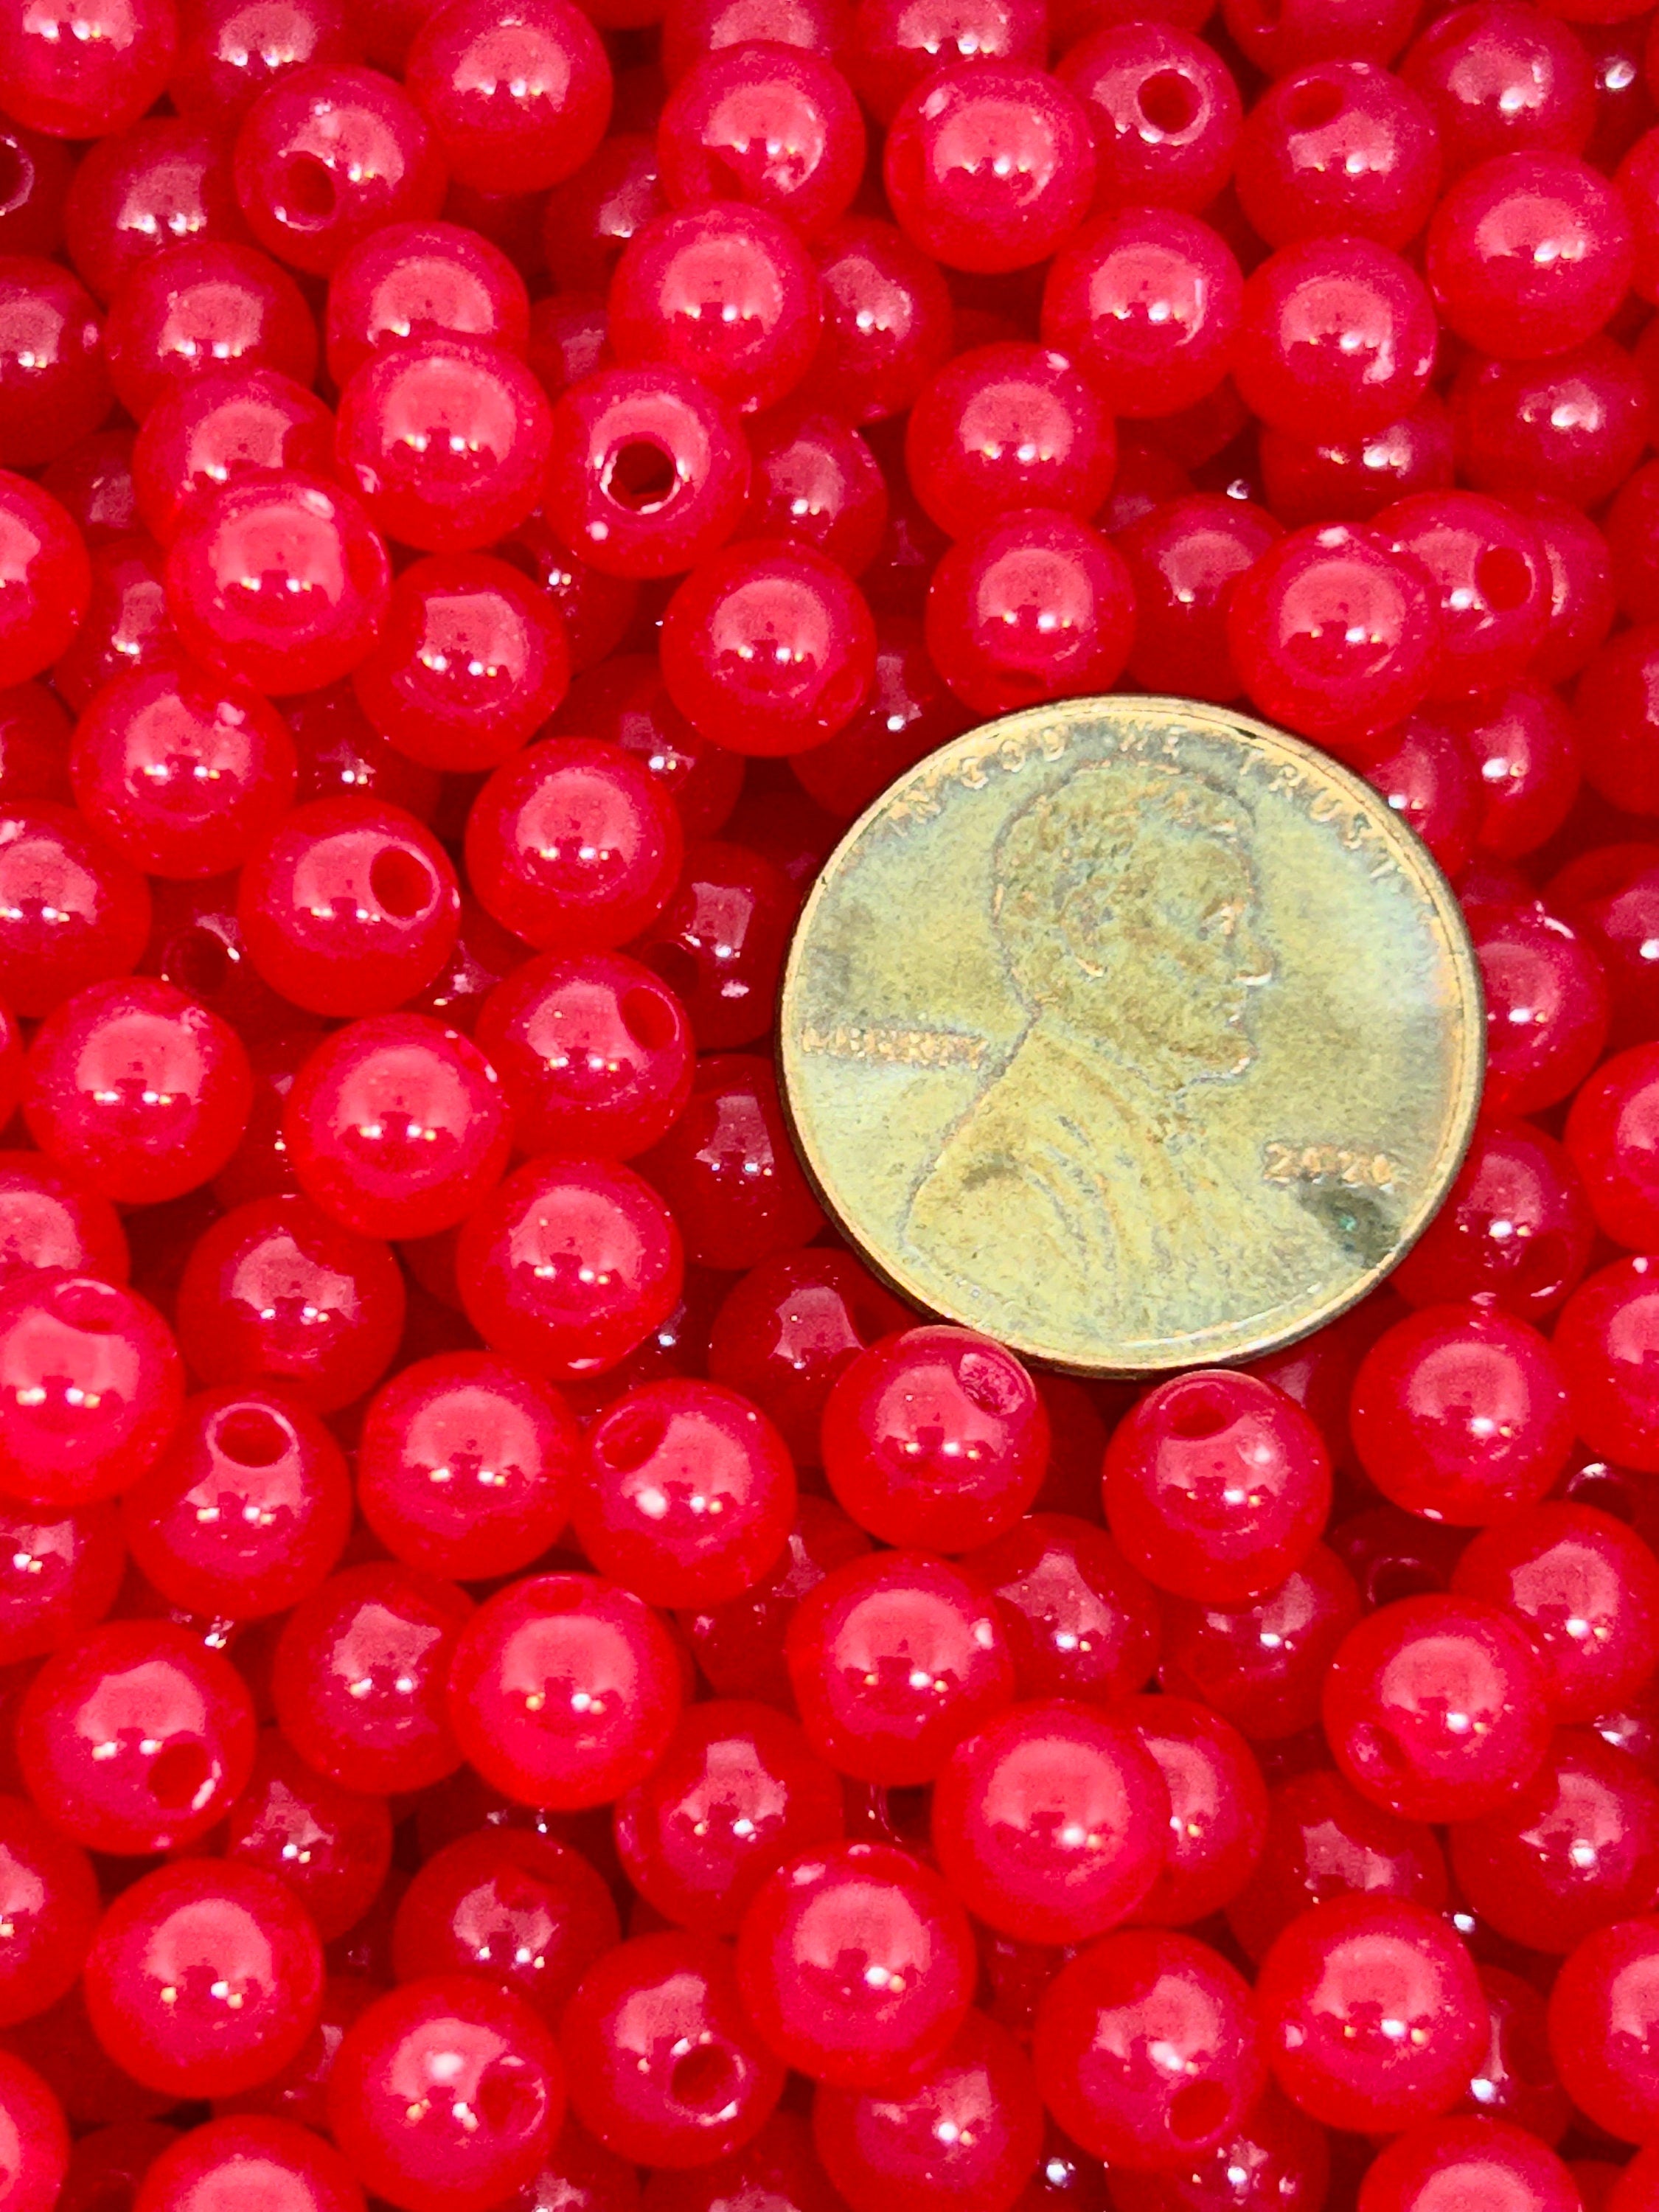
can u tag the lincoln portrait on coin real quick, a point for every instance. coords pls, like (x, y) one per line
(1126, 907)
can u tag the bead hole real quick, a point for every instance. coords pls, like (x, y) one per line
(1200, 1412)
(200, 963)
(647, 1021)
(86, 1307)
(304, 194)
(178, 1774)
(640, 477)
(989, 1383)
(1311, 106)
(1503, 578)
(250, 1437)
(705, 2079)
(1198, 2110)
(1168, 101)
(401, 883)
(629, 1440)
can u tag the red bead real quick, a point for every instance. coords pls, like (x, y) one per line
(280, 579)
(1310, 478)
(358, 1677)
(446, 2094)
(92, 1385)
(1499, 79)
(274, 2161)
(893, 1659)
(1573, 426)
(1146, 303)
(1079, 1620)
(739, 1645)
(1262, 1666)
(37, 2141)
(965, 2136)
(736, 1793)
(330, 1844)
(1586, 1586)
(45, 578)
(410, 281)
(78, 69)
(54, 389)
(221, 424)
(649, 470)
(726, 292)
(1342, 148)
(1217, 1486)
(1604, 2029)
(774, 125)
(1607, 1340)
(989, 165)
(1035, 605)
(1493, 578)
(397, 1127)
(887, 321)
(897, 43)
(276, 1291)
(588, 219)
(1051, 1823)
(204, 301)
(50, 1906)
(1330, 1993)
(1337, 331)
(1515, 1231)
(1323, 1840)
(518, 95)
(341, 753)
(1281, 38)
(1547, 1010)
(205, 1978)
(908, 711)
(246, 1509)
(511, 1907)
(564, 1692)
(1183, 556)
(663, 2063)
(1163, 111)
(1439, 1708)
(326, 156)
(1334, 634)
(816, 481)
(37, 174)
(35, 732)
(135, 1738)
(1529, 253)
(231, 50)
(466, 1466)
(58, 1576)
(1577, 1848)
(1441, 2157)
(1146, 2041)
(107, 2164)
(348, 907)
(573, 846)
(1007, 427)
(568, 1264)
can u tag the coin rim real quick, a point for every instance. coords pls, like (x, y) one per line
(1410, 850)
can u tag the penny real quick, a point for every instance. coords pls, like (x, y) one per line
(1133, 1033)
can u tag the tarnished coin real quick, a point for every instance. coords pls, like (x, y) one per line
(1133, 1033)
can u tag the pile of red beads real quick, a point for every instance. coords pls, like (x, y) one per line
(528, 1682)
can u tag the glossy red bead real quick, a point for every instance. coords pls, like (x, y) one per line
(1604, 2029)
(93, 1384)
(1147, 303)
(1323, 1840)
(45, 578)
(331, 1844)
(202, 300)
(518, 94)
(989, 165)
(1529, 253)
(512, 1907)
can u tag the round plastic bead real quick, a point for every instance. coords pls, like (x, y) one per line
(516, 1908)
(330, 1844)
(1573, 426)
(767, 647)
(1514, 1232)
(1529, 253)
(72, 909)
(989, 165)
(816, 481)
(1262, 1665)
(1330, 1992)
(1146, 302)
(1279, 40)
(409, 282)
(1577, 1848)
(887, 321)
(348, 907)
(1164, 112)
(774, 125)
(935, 1436)
(1217, 1486)
(1339, 331)
(739, 1646)
(1218, 1810)
(279, 579)
(649, 470)
(54, 388)
(92, 1386)
(519, 94)
(49, 1906)
(126, 626)
(856, 1963)
(256, 2157)
(204, 301)
(45, 578)
(135, 1738)
(276, 1292)
(1144, 2041)
(1435, 2160)
(1006, 426)
(1341, 147)
(31, 2130)
(564, 1692)
(246, 1509)
(1462, 1414)
(1498, 78)
(327, 156)
(205, 1978)
(230, 50)
(164, 181)
(1546, 1009)
(1607, 1340)
(1323, 1840)
(79, 69)
(466, 1466)
(894, 1658)
(573, 846)
(1587, 1588)
(723, 292)
(1183, 556)
(1604, 2029)
(58, 1574)
(446, 2095)
(1079, 1620)
(358, 1677)
(1439, 1708)
(895, 44)
(1035, 605)
(1051, 1823)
